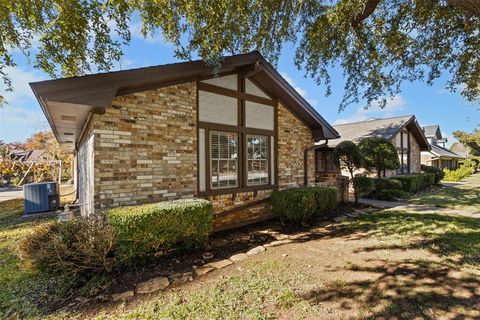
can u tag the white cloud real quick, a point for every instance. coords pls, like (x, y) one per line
(394, 104)
(20, 83)
(300, 90)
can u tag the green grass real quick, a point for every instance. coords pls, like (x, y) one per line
(261, 291)
(21, 289)
(462, 196)
(456, 238)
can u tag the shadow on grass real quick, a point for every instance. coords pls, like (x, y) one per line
(454, 237)
(405, 290)
(449, 196)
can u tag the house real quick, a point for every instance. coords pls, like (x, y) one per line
(404, 132)
(179, 131)
(439, 156)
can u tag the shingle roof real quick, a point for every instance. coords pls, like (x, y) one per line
(433, 130)
(443, 152)
(380, 128)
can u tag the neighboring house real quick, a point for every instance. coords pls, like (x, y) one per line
(31, 155)
(404, 132)
(439, 156)
(177, 131)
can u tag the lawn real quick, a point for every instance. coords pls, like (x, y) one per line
(385, 264)
(464, 195)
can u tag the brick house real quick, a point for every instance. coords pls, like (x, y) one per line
(404, 132)
(178, 131)
(439, 156)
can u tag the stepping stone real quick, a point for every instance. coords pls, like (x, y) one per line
(238, 257)
(180, 278)
(153, 285)
(219, 264)
(200, 271)
(340, 219)
(323, 223)
(281, 236)
(122, 296)
(278, 243)
(255, 250)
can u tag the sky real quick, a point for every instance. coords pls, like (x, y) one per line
(22, 116)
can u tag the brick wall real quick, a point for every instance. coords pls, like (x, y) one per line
(293, 138)
(146, 148)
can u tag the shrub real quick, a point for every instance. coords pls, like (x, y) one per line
(363, 185)
(459, 174)
(410, 184)
(326, 198)
(439, 174)
(146, 229)
(386, 183)
(392, 194)
(300, 205)
(79, 247)
(379, 154)
(428, 179)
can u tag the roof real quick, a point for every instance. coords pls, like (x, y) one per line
(68, 102)
(28, 155)
(433, 131)
(380, 128)
(443, 152)
(35, 154)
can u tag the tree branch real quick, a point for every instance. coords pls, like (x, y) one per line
(370, 7)
(470, 6)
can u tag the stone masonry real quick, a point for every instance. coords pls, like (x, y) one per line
(146, 147)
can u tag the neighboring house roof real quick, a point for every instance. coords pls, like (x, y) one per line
(68, 102)
(460, 149)
(380, 128)
(443, 152)
(28, 155)
(433, 131)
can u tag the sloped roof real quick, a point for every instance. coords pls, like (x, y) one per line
(433, 131)
(443, 152)
(381, 128)
(68, 102)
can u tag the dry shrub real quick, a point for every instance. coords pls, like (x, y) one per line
(79, 247)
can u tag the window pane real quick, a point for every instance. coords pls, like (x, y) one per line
(223, 159)
(257, 160)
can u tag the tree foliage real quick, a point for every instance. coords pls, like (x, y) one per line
(347, 156)
(378, 44)
(379, 154)
(470, 140)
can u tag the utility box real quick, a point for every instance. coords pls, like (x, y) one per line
(41, 197)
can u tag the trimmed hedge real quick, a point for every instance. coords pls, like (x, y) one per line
(363, 185)
(300, 205)
(439, 174)
(416, 182)
(386, 183)
(145, 229)
(459, 174)
(393, 194)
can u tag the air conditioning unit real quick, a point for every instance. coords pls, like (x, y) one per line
(41, 197)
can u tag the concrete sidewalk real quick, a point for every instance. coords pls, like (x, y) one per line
(11, 194)
(416, 207)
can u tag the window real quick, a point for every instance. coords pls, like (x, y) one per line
(223, 157)
(324, 161)
(257, 160)
(403, 148)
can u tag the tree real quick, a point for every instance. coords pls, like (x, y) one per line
(379, 44)
(347, 156)
(379, 154)
(470, 140)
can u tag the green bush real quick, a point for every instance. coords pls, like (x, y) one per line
(392, 195)
(410, 184)
(300, 205)
(428, 179)
(146, 229)
(386, 183)
(363, 185)
(459, 174)
(80, 248)
(439, 174)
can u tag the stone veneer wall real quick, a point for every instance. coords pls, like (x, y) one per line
(415, 158)
(293, 138)
(146, 147)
